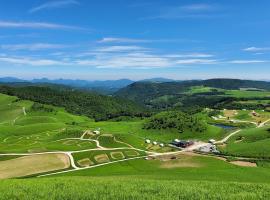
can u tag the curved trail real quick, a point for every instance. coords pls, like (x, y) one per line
(94, 166)
(101, 148)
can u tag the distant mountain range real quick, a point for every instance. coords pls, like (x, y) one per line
(106, 86)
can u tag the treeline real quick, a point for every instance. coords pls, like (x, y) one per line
(176, 120)
(99, 107)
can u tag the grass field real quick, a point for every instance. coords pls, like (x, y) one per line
(206, 168)
(27, 165)
(127, 188)
(253, 142)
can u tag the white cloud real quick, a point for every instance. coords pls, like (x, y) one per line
(33, 47)
(198, 7)
(31, 61)
(196, 61)
(35, 25)
(121, 40)
(142, 61)
(120, 48)
(188, 11)
(247, 61)
(190, 55)
(256, 49)
(54, 4)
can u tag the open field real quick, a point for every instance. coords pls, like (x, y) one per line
(253, 142)
(32, 164)
(127, 188)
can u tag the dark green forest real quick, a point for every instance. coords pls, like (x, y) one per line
(99, 107)
(176, 120)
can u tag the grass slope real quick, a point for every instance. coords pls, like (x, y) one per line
(253, 142)
(126, 188)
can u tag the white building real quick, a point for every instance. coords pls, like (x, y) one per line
(147, 141)
(96, 132)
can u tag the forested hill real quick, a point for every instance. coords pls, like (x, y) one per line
(99, 107)
(231, 84)
(147, 90)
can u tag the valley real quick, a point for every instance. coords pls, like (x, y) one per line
(41, 141)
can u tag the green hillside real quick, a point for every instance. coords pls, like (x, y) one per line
(99, 107)
(214, 93)
(126, 188)
(251, 143)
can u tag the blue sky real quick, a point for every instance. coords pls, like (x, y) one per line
(102, 39)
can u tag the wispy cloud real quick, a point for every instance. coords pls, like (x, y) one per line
(121, 40)
(188, 11)
(36, 25)
(33, 47)
(197, 61)
(256, 49)
(53, 5)
(31, 61)
(120, 49)
(136, 40)
(190, 55)
(198, 7)
(247, 61)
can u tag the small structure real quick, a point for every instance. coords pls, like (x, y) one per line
(212, 141)
(176, 140)
(254, 113)
(147, 141)
(161, 145)
(96, 132)
(210, 148)
(182, 143)
(154, 143)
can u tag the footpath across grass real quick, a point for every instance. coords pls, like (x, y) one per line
(93, 188)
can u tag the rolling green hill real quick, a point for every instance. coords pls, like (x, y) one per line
(253, 142)
(214, 93)
(99, 107)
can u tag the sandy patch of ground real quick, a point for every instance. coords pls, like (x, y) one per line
(117, 155)
(244, 163)
(85, 162)
(178, 161)
(222, 145)
(132, 153)
(33, 164)
(229, 113)
(102, 158)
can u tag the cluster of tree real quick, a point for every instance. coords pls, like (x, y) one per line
(40, 107)
(176, 120)
(99, 107)
(214, 113)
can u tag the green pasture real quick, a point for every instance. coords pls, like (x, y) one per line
(253, 142)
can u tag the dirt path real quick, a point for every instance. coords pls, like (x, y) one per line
(94, 166)
(24, 112)
(263, 123)
(227, 137)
